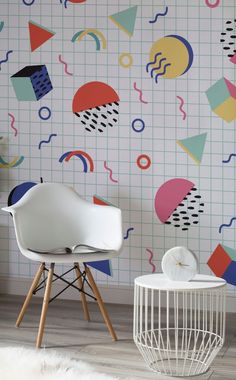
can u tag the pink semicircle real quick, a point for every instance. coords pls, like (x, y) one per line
(170, 195)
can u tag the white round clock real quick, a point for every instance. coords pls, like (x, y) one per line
(179, 264)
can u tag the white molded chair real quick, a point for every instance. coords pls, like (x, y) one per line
(51, 217)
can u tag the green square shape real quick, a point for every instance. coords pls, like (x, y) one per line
(217, 93)
(23, 89)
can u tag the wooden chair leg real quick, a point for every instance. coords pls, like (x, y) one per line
(45, 306)
(100, 302)
(30, 294)
(83, 296)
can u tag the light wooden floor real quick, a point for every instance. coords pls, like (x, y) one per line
(66, 331)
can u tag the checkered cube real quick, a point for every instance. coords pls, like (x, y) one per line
(31, 83)
(222, 99)
(223, 263)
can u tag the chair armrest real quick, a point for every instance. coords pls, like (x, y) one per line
(106, 225)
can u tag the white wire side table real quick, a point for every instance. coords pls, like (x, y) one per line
(179, 327)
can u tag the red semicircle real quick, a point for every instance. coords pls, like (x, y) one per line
(77, 1)
(93, 94)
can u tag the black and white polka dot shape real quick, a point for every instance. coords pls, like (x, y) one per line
(188, 211)
(228, 38)
(100, 117)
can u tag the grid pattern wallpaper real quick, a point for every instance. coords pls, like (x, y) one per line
(124, 100)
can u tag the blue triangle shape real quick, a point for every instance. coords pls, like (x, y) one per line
(103, 266)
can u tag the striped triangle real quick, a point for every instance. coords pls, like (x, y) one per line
(194, 146)
(125, 20)
(38, 35)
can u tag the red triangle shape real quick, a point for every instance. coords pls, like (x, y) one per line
(38, 35)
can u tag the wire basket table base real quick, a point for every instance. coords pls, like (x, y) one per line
(179, 332)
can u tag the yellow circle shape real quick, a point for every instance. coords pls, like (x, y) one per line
(121, 60)
(173, 54)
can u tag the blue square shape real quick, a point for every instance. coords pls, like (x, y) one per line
(230, 274)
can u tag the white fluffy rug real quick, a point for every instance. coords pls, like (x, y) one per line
(29, 364)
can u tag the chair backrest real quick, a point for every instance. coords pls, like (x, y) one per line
(53, 215)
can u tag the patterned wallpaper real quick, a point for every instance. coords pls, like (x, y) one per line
(134, 104)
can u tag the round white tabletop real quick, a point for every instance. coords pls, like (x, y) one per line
(161, 282)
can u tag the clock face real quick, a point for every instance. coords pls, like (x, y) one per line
(179, 264)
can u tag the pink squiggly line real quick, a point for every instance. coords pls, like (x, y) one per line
(110, 171)
(181, 107)
(150, 260)
(64, 63)
(12, 123)
(212, 5)
(140, 94)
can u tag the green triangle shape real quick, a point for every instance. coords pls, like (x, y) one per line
(231, 252)
(194, 146)
(125, 20)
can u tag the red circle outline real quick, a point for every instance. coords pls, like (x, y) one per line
(148, 164)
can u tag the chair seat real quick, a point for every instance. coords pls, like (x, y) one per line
(70, 258)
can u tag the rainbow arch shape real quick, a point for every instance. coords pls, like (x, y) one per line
(12, 164)
(94, 33)
(82, 155)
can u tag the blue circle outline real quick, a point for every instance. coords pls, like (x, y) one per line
(142, 128)
(49, 113)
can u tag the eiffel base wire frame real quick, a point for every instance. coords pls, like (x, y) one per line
(179, 333)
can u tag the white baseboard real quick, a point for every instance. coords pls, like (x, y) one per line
(110, 293)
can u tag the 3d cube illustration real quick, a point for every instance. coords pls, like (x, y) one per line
(31, 83)
(222, 99)
(223, 263)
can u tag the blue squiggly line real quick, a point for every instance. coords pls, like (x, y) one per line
(157, 15)
(230, 156)
(227, 225)
(127, 232)
(157, 68)
(1, 25)
(47, 141)
(163, 72)
(153, 62)
(6, 59)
